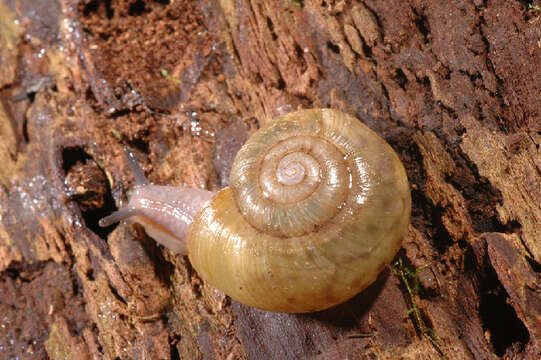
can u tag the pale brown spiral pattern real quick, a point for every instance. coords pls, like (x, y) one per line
(318, 204)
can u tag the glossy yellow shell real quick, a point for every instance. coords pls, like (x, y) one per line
(308, 232)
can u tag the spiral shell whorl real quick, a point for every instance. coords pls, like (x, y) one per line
(329, 158)
(318, 204)
(289, 179)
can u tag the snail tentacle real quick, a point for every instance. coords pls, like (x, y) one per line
(140, 180)
(117, 216)
(138, 174)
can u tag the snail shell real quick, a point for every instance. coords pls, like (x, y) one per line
(317, 205)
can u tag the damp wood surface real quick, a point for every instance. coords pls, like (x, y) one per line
(453, 86)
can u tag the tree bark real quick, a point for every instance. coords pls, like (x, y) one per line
(453, 86)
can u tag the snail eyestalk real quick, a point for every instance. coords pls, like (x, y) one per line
(138, 174)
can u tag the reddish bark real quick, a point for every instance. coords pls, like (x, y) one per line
(452, 86)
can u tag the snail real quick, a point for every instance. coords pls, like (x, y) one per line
(317, 206)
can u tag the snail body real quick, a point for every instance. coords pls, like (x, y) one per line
(317, 205)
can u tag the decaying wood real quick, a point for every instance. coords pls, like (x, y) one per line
(453, 86)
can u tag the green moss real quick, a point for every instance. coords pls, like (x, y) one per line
(116, 134)
(410, 279)
(296, 3)
(166, 75)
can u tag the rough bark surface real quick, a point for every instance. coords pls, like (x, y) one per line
(453, 86)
